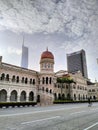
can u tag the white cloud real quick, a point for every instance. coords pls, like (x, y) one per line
(12, 50)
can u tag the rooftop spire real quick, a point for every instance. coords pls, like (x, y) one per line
(23, 40)
(47, 49)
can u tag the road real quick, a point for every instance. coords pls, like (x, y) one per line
(56, 117)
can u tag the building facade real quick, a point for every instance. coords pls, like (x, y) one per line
(93, 91)
(77, 62)
(18, 84)
(76, 91)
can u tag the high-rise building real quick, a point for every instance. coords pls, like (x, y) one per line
(24, 59)
(77, 62)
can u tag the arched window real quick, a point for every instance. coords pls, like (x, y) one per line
(23, 96)
(33, 81)
(7, 77)
(3, 95)
(43, 80)
(50, 80)
(90, 97)
(46, 89)
(13, 78)
(30, 81)
(26, 80)
(93, 90)
(66, 86)
(46, 80)
(63, 96)
(2, 76)
(68, 96)
(59, 96)
(38, 98)
(17, 79)
(22, 80)
(31, 96)
(79, 96)
(83, 97)
(74, 96)
(50, 90)
(94, 97)
(13, 95)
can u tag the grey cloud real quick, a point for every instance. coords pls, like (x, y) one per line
(73, 18)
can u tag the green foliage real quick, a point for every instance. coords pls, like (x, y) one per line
(65, 80)
(71, 101)
(13, 104)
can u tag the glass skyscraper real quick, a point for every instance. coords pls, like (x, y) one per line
(24, 59)
(77, 62)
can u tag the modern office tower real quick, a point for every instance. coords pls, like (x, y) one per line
(77, 62)
(24, 59)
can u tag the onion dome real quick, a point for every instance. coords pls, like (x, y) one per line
(47, 54)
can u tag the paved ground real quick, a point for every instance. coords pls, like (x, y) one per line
(57, 117)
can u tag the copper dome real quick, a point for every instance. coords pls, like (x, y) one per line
(47, 54)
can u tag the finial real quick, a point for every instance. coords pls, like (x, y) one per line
(47, 48)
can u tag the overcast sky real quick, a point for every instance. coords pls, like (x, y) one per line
(64, 26)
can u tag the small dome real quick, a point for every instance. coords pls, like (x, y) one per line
(47, 54)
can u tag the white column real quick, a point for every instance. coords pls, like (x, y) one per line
(8, 98)
(27, 99)
(18, 98)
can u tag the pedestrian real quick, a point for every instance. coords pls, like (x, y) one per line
(89, 102)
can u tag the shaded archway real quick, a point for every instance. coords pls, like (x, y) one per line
(55, 96)
(59, 96)
(3, 95)
(74, 96)
(94, 97)
(13, 96)
(63, 96)
(68, 96)
(23, 96)
(31, 96)
(38, 98)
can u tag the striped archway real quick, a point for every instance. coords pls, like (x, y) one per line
(3, 95)
(23, 96)
(13, 96)
(31, 96)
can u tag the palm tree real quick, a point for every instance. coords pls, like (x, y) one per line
(68, 81)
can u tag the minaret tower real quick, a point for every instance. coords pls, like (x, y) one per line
(46, 77)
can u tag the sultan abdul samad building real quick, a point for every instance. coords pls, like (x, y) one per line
(18, 84)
